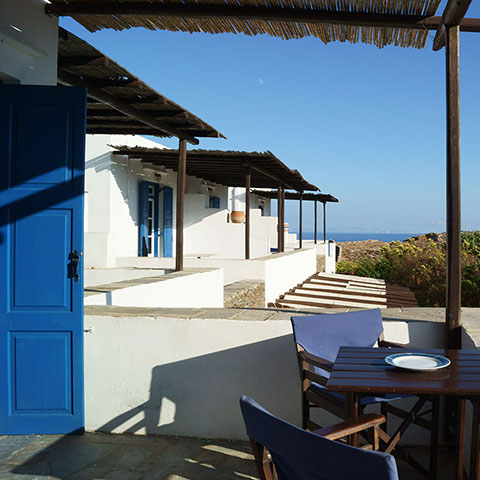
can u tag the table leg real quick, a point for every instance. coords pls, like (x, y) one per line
(434, 437)
(353, 411)
(459, 468)
(474, 453)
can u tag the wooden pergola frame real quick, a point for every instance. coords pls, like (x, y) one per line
(448, 27)
(315, 197)
(230, 168)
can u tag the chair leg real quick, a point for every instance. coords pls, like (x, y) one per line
(305, 412)
(384, 412)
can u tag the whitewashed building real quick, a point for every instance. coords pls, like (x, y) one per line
(138, 218)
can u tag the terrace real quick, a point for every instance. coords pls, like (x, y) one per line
(152, 394)
(174, 374)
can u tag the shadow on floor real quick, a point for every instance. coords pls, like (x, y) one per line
(124, 457)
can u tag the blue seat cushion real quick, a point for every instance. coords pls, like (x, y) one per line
(364, 401)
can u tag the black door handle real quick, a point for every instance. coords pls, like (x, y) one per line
(75, 258)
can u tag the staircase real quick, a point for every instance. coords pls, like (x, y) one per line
(324, 290)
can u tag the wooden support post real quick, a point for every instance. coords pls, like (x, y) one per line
(315, 222)
(454, 268)
(283, 219)
(248, 182)
(300, 223)
(324, 222)
(279, 219)
(181, 177)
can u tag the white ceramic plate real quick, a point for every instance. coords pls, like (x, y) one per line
(420, 362)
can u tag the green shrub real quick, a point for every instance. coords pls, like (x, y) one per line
(421, 266)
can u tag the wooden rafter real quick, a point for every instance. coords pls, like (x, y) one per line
(118, 104)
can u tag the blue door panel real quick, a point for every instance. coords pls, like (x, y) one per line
(37, 356)
(37, 235)
(167, 221)
(29, 140)
(42, 159)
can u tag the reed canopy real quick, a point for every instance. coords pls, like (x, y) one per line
(119, 102)
(228, 168)
(404, 23)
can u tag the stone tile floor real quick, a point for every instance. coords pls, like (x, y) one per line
(97, 456)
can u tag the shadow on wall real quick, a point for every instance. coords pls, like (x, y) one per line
(201, 394)
(203, 391)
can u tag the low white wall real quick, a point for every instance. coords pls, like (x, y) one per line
(284, 271)
(280, 272)
(177, 376)
(104, 276)
(234, 270)
(191, 290)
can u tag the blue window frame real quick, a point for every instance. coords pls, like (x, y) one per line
(213, 202)
(148, 225)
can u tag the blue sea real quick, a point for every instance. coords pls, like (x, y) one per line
(357, 237)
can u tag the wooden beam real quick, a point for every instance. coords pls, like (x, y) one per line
(181, 180)
(454, 268)
(324, 222)
(315, 222)
(300, 222)
(277, 14)
(248, 178)
(268, 174)
(121, 106)
(452, 15)
(83, 61)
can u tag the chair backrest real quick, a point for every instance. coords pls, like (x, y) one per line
(301, 455)
(324, 334)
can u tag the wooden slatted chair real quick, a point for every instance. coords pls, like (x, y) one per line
(283, 451)
(318, 338)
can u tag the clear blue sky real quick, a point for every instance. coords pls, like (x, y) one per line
(364, 124)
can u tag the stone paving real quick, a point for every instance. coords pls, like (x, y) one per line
(124, 457)
(99, 456)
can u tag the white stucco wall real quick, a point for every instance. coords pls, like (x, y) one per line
(177, 376)
(111, 185)
(280, 272)
(284, 271)
(202, 289)
(104, 276)
(112, 210)
(28, 43)
(326, 250)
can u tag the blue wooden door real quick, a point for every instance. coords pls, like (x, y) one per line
(42, 158)
(167, 221)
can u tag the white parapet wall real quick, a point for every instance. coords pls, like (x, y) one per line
(178, 376)
(154, 373)
(325, 250)
(190, 289)
(280, 272)
(285, 270)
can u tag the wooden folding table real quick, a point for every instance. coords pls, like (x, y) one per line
(358, 371)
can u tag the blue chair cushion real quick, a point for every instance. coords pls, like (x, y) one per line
(301, 455)
(322, 335)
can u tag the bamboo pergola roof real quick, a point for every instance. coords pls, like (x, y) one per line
(224, 167)
(403, 23)
(319, 197)
(114, 92)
